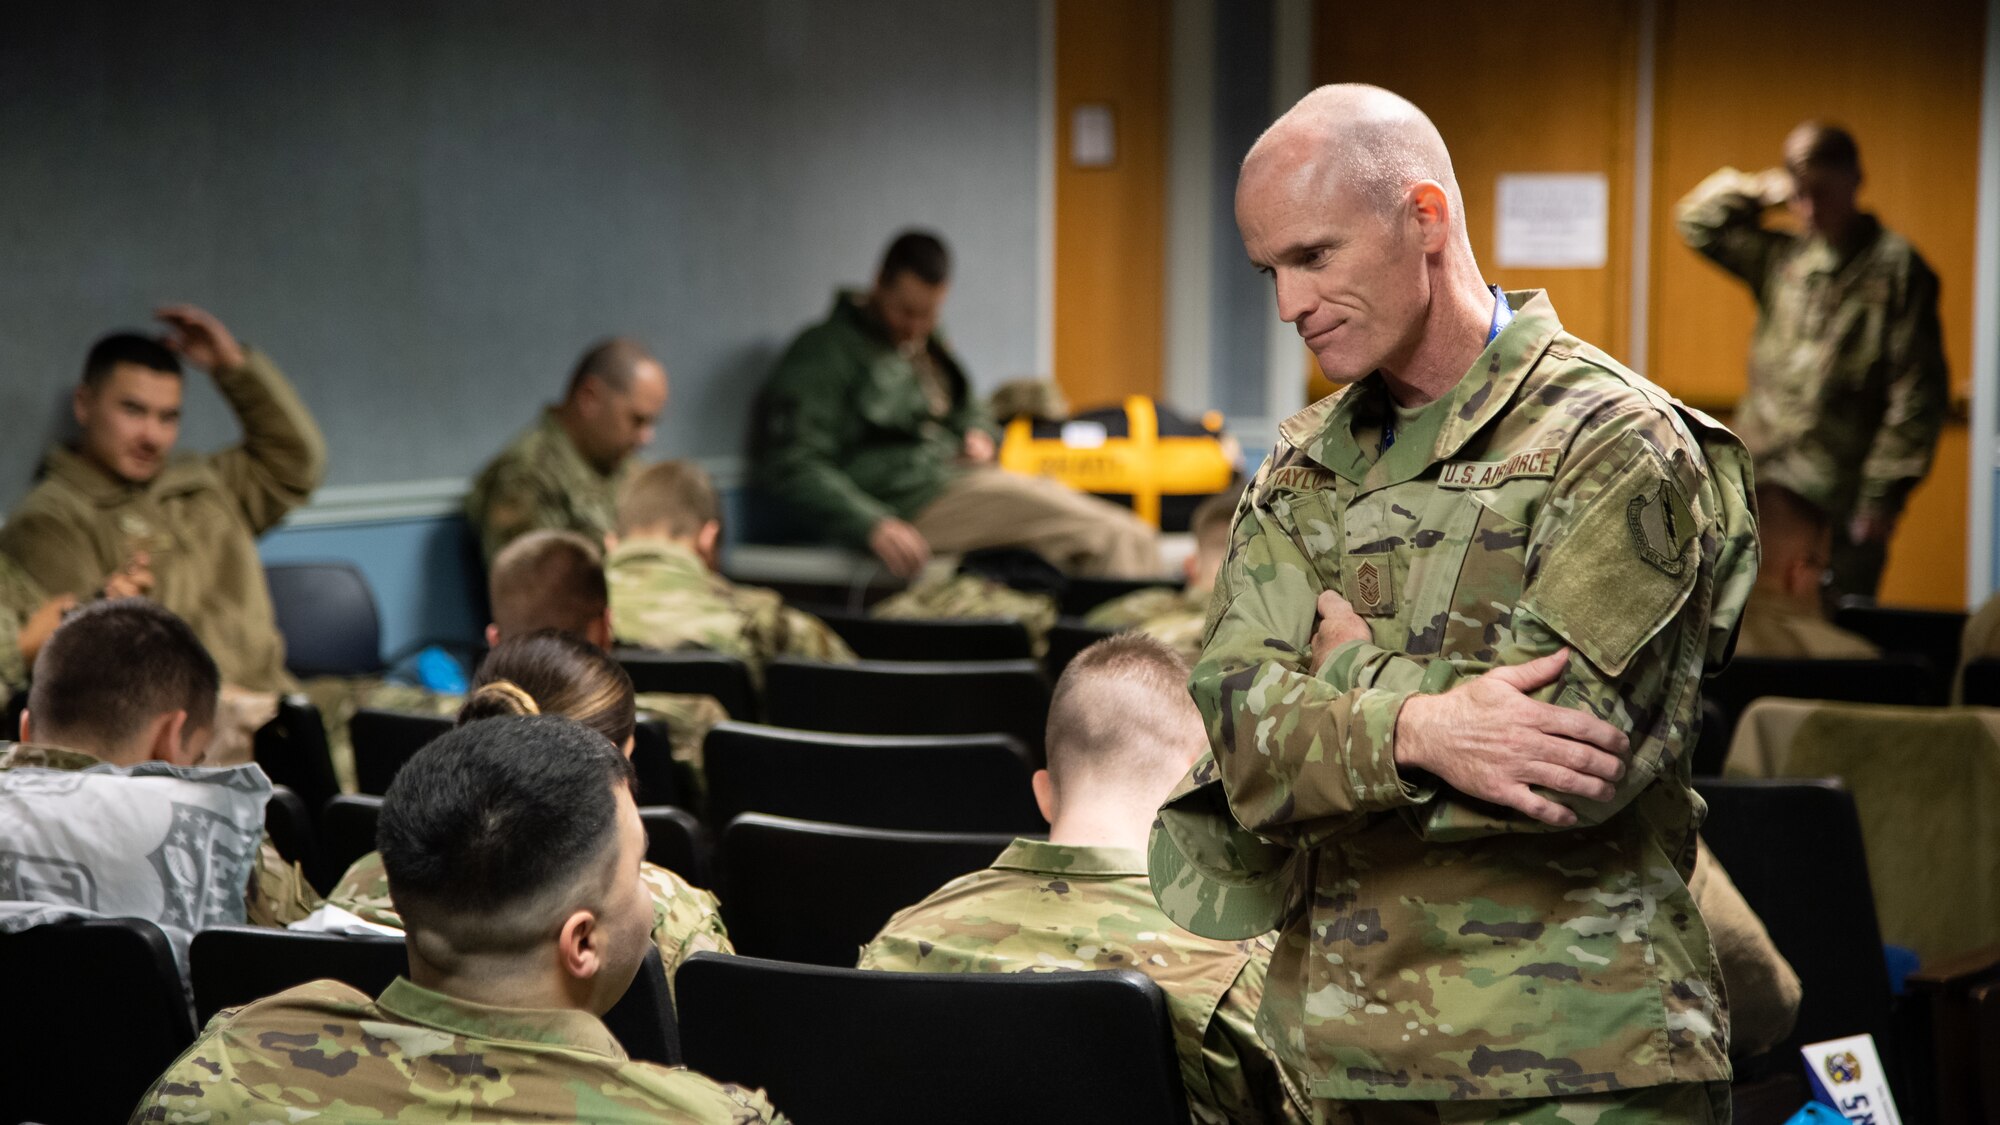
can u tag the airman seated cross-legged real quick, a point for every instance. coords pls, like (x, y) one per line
(869, 430)
(122, 495)
(1451, 673)
(513, 852)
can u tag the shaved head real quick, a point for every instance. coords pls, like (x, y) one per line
(1349, 203)
(1357, 138)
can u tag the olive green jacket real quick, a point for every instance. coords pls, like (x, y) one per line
(844, 432)
(198, 520)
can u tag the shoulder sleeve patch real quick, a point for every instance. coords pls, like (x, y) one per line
(1622, 568)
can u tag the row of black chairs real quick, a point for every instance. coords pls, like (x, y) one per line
(1103, 1050)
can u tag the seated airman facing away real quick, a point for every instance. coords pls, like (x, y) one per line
(125, 693)
(542, 580)
(564, 474)
(1786, 613)
(868, 430)
(553, 673)
(1176, 616)
(514, 852)
(666, 593)
(122, 493)
(1122, 731)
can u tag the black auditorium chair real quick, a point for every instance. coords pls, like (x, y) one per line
(1082, 595)
(810, 892)
(384, 740)
(694, 672)
(1908, 680)
(910, 697)
(676, 841)
(662, 780)
(1068, 638)
(234, 965)
(969, 638)
(347, 830)
(1933, 634)
(289, 823)
(943, 783)
(327, 615)
(1711, 747)
(69, 984)
(292, 750)
(1982, 682)
(1793, 847)
(1101, 1052)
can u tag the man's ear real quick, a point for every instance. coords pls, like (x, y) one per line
(1191, 568)
(165, 739)
(27, 727)
(1045, 794)
(1430, 210)
(79, 404)
(577, 946)
(598, 632)
(492, 635)
(708, 544)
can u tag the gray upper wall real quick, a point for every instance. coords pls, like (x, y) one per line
(424, 210)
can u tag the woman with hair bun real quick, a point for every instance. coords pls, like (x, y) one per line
(554, 673)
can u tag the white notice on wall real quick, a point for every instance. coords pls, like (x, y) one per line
(1552, 221)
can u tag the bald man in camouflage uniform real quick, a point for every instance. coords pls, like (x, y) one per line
(564, 473)
(1121, 730)
(666, 594)
(1451, 674)
(1847, 388)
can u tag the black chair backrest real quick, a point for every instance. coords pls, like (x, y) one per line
(384, 740)
(95, 1011)
(289, 823)
(1066, 639)
(1711, 747)
(910, 697)
(893, 638)
(940, 783)
(1085, 594)
(347, 830)
(662, 780)
(1102, 1050)
(693, 672)
(234, 965)
(327, 616)
(1982, 682)
(1933, 634)
(815, 893)
(292, 750)
(676, 841)
(1794, 849)
(1906, 680)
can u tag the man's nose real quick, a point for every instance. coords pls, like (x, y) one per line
(1295, 298)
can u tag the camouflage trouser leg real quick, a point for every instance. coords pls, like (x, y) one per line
(1690, 1103)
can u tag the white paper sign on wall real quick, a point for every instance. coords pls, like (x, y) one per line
(1552, 221)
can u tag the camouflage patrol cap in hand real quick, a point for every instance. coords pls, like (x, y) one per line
(1211, 875)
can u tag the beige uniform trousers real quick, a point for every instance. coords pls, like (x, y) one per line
(990, 507)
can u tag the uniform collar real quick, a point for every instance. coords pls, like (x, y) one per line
(1039, 857)
(34, 755)
(552, 431)
(102, 487)
(663, 551)
(1324, 431)
(564, 1027)
(1821, 256)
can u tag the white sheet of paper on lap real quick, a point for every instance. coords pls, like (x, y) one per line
(1847, 1074)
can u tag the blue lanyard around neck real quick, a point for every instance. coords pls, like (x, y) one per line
(1503, 313)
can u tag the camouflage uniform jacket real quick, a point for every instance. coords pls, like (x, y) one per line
(1847, 388)
(540, 481)
(325, 1052)
(1044, 907)
(278, 893)
(1175, 617)
(198, 520)
(686, 919)
(20, 597)
(664, 597)
(845, 432)
(1439, 948)
(966, 596)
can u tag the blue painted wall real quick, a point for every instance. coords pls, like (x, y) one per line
(423, 572)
